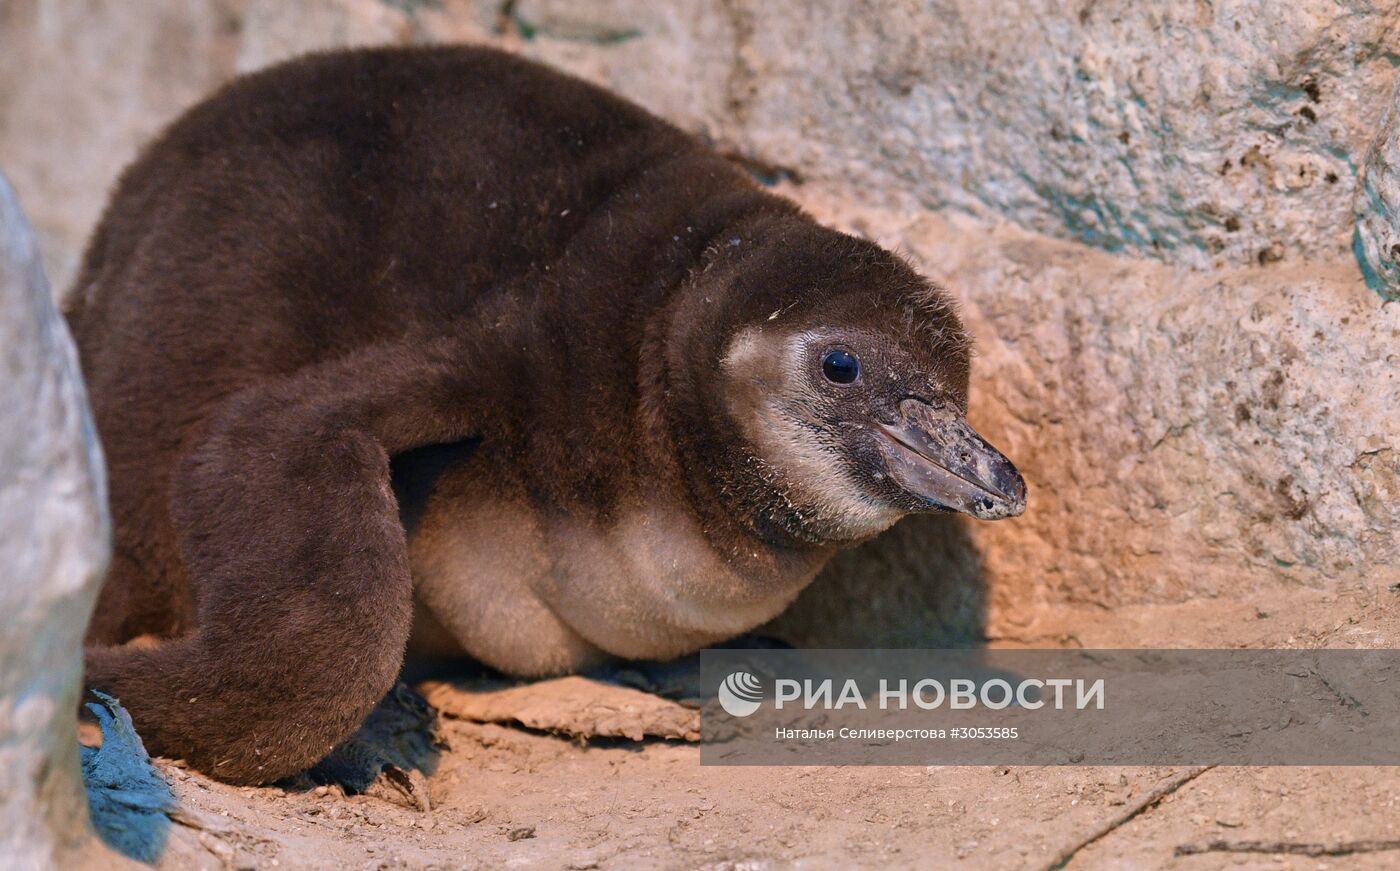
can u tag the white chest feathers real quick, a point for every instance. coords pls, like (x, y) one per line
(531, 600)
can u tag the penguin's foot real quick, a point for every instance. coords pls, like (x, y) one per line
(677, 679)
(389, 757)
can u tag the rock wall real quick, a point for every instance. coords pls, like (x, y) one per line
(53, 549)
(1192, 132)
(1147, 208)
(1377, 243)
(1195, 132)
(1185, 435)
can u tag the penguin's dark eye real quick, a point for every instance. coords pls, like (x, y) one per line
(840, 367)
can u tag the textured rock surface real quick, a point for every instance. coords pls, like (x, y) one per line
(1189, 131)
(53, 549)
(576, 706)
(1378, 207)
(1186, 433)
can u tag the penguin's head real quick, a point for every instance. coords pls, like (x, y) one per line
(844, 375)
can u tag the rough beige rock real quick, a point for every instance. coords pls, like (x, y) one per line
(1378, 207)
(53, 549)
(576, 706)
(1200, 133)
(1188, 131)
(1186, 433)
(112, 73)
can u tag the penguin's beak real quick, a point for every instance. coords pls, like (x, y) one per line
(933, 453)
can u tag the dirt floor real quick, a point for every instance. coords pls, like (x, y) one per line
(505, 795)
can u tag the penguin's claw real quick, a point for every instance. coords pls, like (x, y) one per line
(389, 756)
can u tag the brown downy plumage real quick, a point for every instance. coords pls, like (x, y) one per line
(625, 402)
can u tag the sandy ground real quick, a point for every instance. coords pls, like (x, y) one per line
(507, 796)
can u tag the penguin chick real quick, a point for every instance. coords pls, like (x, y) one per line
(440, 340)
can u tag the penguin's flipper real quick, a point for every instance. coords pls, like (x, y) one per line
(290, 533)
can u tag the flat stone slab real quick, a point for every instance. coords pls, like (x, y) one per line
(576, 706)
